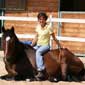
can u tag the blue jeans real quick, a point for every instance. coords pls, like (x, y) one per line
(39, 58)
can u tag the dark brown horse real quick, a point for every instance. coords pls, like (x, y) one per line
(20, 62)
(19, 58)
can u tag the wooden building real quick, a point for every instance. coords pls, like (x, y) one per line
(56, 8)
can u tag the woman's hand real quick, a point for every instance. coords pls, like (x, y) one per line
(35, 40)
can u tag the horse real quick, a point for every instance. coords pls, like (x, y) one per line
(20, 61)
(19, 58)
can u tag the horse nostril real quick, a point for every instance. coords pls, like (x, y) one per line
(7, 38)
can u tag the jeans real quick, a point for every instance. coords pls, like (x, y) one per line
(39, 58)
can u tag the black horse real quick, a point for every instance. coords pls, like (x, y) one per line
(20, 61)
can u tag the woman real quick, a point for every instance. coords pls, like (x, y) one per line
(41, 41)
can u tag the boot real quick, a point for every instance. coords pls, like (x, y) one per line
(40, 75)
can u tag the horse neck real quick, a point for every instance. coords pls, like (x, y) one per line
(30, 51)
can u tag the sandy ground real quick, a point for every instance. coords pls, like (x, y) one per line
(4, 82)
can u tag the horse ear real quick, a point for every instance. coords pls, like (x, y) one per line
(3, 29)
(12, 28)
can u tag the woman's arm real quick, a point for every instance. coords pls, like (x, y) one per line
(55, 39)
(35, 40)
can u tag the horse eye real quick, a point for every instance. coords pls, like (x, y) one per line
(7, 38)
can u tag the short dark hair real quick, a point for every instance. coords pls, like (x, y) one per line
(42, 14)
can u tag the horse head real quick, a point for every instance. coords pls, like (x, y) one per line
(9, 40)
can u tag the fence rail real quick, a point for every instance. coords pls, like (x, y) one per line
(35, 19)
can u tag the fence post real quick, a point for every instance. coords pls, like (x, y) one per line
(51, 24)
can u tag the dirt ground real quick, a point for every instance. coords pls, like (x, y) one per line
(4, 82)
